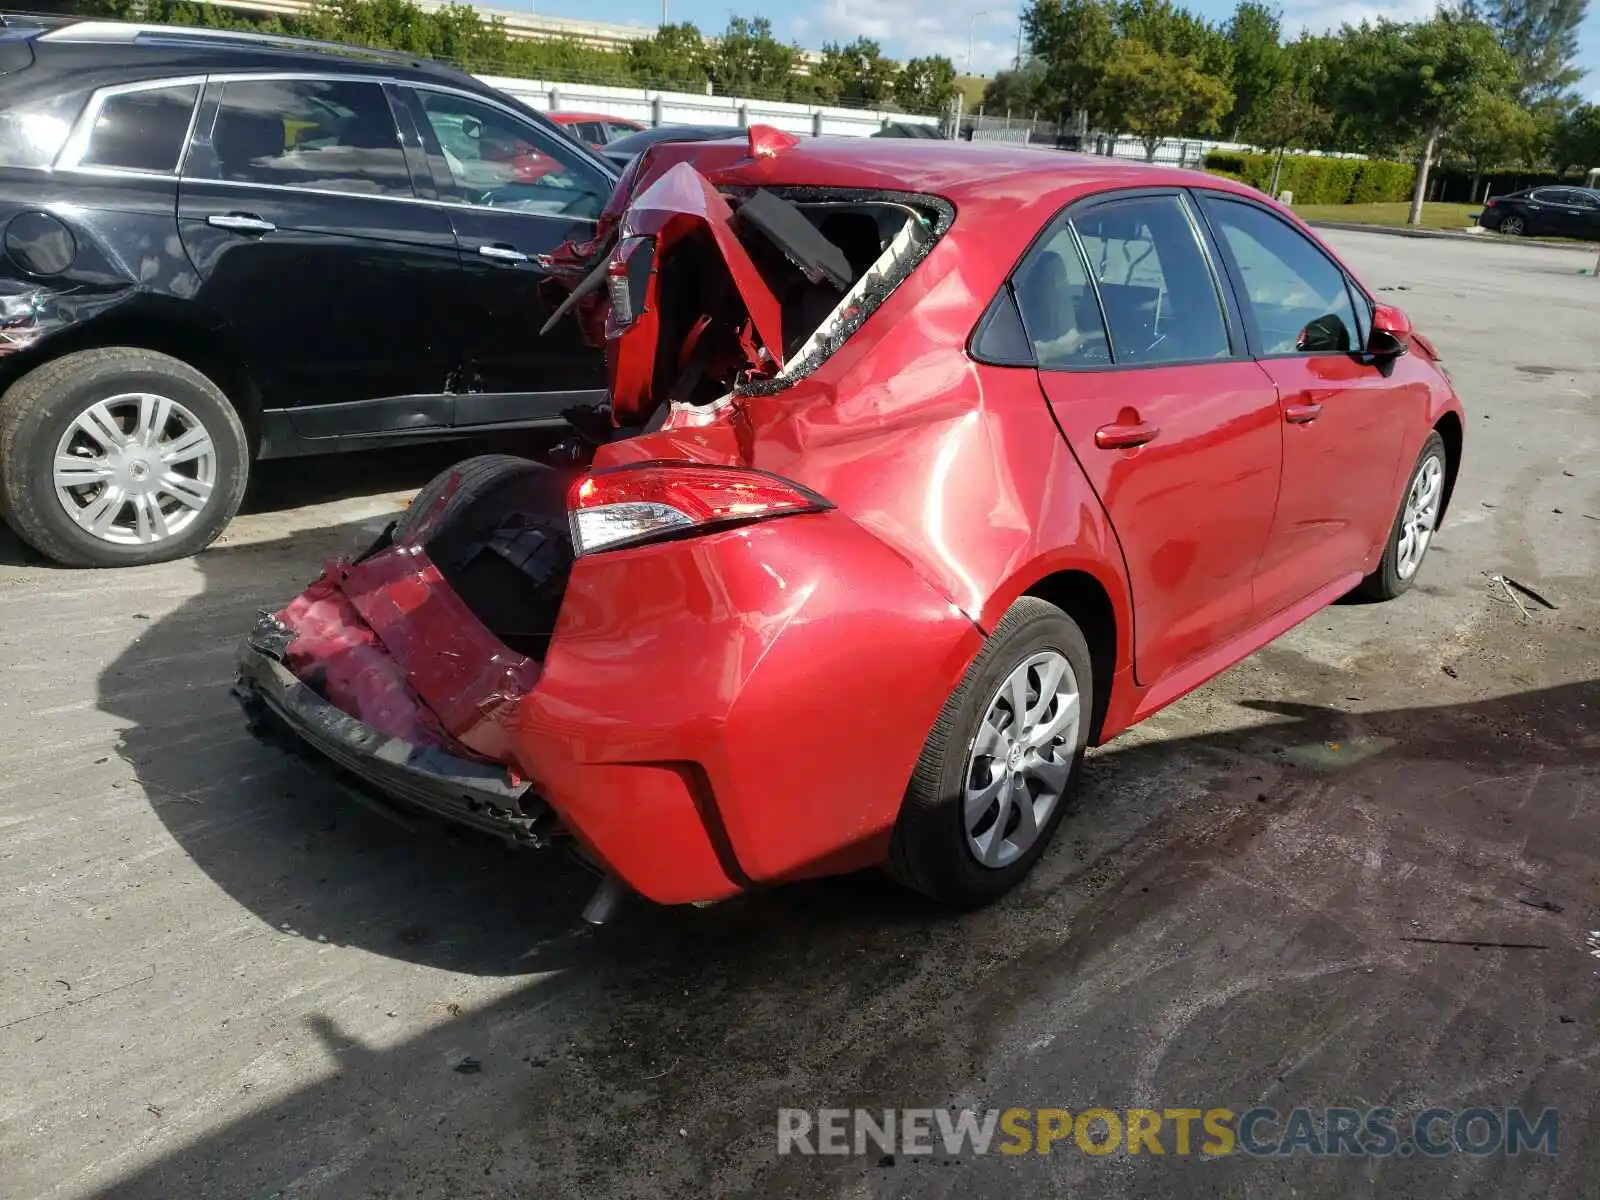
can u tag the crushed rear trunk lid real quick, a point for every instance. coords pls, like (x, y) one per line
(700, 287)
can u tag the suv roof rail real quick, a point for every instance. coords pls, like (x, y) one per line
(131, 32)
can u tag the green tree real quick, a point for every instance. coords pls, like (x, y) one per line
(1492, 131)
(1450, 65)
(675, 57)
(1255, 36)
(1360, 80)
(860, 74)
(1074, 40)
(1019, 90)
(1393, 86)
(926, 85)
(748, 61)
(1576, 139)
(1178, 33)
(1287, 119)
(1156, 95)
(1542, 38)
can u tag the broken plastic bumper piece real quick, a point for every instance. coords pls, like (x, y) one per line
(284, 710)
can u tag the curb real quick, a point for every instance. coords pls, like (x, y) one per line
(1445, 234)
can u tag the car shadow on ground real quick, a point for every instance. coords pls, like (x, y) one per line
(834, 991)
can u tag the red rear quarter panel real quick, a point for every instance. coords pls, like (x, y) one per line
(741, 707)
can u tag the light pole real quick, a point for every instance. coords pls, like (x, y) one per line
(972, 25)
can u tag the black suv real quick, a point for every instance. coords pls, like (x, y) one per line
(216, 247)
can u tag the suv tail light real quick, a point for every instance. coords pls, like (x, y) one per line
(627, 506)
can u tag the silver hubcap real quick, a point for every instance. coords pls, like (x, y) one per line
(135, 469)
(1511, 225)
(1420, 517)
(1020, 761)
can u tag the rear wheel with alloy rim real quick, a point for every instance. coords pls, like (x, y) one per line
(119, 456)
(1001, 764)
(1512, 226)
(1020, 761)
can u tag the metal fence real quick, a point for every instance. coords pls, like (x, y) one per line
(656, 107)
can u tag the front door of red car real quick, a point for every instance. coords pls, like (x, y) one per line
(1345, 416)
(1175, 427)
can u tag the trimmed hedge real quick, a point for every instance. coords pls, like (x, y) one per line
(1454, 184)
(1315, 180)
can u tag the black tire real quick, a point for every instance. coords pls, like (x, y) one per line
(501, 538)
(1386, 582)
(37, 410)
(930, 851)
(1512, 226)
(472, 479)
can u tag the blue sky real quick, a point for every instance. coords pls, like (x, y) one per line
(911, 27)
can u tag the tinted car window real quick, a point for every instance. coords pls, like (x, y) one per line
(1059, 308)
(33, 133)
(1551, 196)
(614, 131)
(1156, 288)
(1293, 293)
(143, 130)
(327, 134)
(498, 161)
(590, 131)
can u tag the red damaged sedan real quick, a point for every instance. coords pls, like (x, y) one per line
(925, 466)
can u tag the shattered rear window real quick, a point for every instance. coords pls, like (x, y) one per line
(878, 239)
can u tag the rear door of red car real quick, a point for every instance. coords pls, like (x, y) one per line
(1143, 360)
(1345, 416)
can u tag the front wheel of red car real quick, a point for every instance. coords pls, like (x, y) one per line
(1002, 763)
(1413, 528)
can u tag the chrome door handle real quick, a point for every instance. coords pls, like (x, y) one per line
(503, 254)
(241, 223)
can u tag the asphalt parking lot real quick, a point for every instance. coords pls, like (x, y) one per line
(1361, 868)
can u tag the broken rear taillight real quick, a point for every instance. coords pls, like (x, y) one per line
(628, 280)
(626, 506)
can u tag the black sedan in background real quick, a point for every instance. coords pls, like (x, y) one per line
(623, 151)
(1544, 212)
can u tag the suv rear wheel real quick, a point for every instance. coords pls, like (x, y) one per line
(119, 456)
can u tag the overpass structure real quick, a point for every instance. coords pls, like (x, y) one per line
(523, 26)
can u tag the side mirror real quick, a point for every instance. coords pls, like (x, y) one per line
(1391, 332)
(1326, 335)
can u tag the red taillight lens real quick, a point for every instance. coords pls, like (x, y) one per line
(629, 505)
(1490, 203)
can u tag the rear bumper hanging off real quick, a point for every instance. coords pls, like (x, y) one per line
(480, 794)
